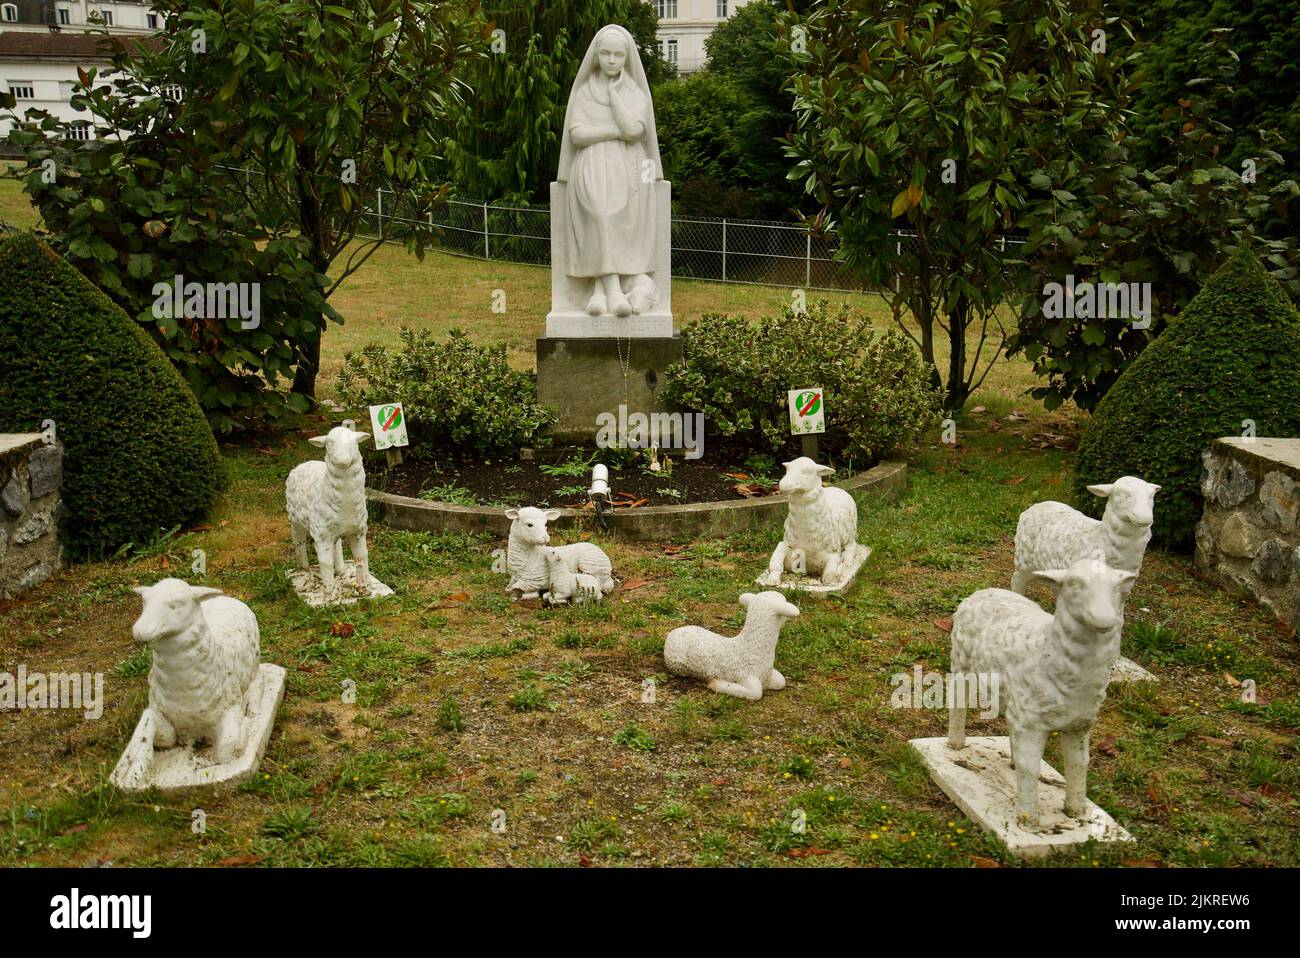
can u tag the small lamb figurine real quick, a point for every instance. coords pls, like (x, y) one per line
(1052, 669)
(526, 562)
(821, 530)
(206, 652)
(1052, 535)
(742, 664)
(327, 505)
(566, 586)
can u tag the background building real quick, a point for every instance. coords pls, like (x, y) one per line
(685, 24)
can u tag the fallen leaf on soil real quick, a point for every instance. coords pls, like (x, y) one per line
(525, 604)
(1106, 745)
(846, 763)
(224, 523)
(1222, 742)
(166, 564)
(1015, 416)
(343, 630)
(979, 861)
(239, 860)
(584, 861)
(752, 490)
(719, 782)
(1140, 862)
(206, 527)
(740, 476)
(1050, 481)
(458, 597)
(631, 584)
(944, 624)
(266, 450)
(805, 852)
(915, 508)
(1232, 681)
(617, 763)
(1014, 480)
(1172, 588)
(1242, 798)
(979, 409)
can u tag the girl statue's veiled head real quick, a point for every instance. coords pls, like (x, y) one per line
(612, 52)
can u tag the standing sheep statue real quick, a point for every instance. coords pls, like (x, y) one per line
(821, 533)
(526, 559)
(1052, 671)
(211, 701)
(1052, 535)
(326, 501)
(739, 665)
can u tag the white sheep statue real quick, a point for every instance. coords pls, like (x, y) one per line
(206, 652)
(820, 532)
(326, 501)
(1052, 669)
(1052, 535)
(739, 665)
(530, 576)
(565, 586)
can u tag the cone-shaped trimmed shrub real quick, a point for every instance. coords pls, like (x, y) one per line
(1231, 355)
(139, 455)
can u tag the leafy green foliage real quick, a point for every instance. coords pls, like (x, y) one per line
(891, 95)
(1233, 354)
(703, 157)
(1171, 227)
(321, 103)
(456, 395)
(138, 454)
(877, 393)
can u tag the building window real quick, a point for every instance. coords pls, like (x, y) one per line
(669, 50)
(65, 16)
(9, 13)
(107, 17)
(152, 19)
(22, 89)
(667, 9)
(80, 131)
(172, 92)
(722, 9)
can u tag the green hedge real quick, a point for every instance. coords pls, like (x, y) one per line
(1231, 355)
(139, 456)
(738, 374)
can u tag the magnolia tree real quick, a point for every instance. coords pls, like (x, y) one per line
(934, 118)
(246, 139)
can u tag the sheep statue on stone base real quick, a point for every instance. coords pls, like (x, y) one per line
(1052, 669)
(1052, 535)
(530, 576)
(739, 665)
(821, 530)
(206, 652)
(326, 502)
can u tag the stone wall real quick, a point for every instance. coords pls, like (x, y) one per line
(30, 475)
(1248, 538)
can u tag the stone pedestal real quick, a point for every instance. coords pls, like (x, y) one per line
(1248, 539)
(582, 377)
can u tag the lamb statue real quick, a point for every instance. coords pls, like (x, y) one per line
(326, 502)
(1052, 535)
(568, 587)
(820, 532)
(530, 575)
(207, 688)
(740, 665)
(1052, 670)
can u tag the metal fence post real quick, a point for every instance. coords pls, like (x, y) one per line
(379, 211)
(807, 260)
(724, 249)
(487, 249)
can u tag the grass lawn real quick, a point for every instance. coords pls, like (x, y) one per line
(467, 704)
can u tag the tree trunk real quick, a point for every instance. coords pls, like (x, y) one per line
(313, 230)
(957, 393)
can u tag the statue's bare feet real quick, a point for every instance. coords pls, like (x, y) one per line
(596, 305)
(620, 306)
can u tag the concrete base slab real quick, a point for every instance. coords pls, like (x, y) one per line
(141, 767)
(981, 782)
(1126, 670)
(804, 583)
(307, 583)
(584, 377)
(575, 325)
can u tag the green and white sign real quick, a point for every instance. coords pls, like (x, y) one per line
(388, 426)
(807, 411)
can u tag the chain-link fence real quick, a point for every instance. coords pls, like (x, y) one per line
(760, 252)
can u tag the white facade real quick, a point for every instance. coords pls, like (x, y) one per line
(117, 16)
(684, 25)
(49, 84)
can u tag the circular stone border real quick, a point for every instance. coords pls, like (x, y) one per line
(885, 482)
